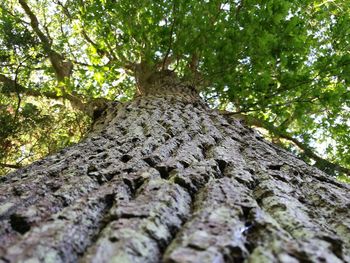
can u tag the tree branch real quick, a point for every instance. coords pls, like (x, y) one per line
(35, 25)
(89, 107)
(238, 8)
(63, 68)
(12, 166)
(321, 163)
(14, 15)
(164, 66)
(14, 87)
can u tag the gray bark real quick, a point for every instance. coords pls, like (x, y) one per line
(165, 179)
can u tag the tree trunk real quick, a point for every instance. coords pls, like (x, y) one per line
(165, 179)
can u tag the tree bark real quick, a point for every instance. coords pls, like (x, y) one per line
(165, 179)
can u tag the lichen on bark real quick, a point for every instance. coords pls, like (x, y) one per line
(165, 179)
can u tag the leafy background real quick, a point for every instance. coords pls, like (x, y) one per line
(283, 66)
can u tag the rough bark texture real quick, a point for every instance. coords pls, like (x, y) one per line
(165, 179)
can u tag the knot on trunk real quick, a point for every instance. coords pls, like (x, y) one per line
(165, 82)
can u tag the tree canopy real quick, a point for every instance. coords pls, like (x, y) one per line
(283, 66)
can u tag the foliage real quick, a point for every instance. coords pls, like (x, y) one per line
(285, 64)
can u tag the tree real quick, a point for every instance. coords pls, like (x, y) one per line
(163, 177)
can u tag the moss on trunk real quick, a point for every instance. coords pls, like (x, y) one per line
(165, 179)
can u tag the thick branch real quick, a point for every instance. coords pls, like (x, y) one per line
(14, 87)
(310, 153)
(12, 166)
(63, 68)
(35, 25)
(89, 107)
(281, 134)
